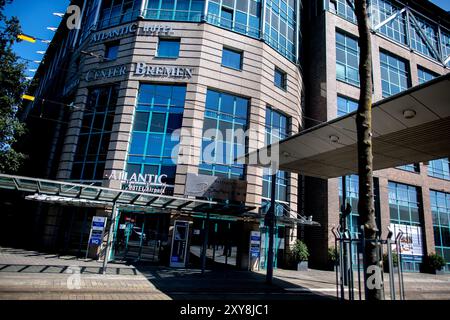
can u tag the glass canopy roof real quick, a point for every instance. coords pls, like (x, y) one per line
(66, 193)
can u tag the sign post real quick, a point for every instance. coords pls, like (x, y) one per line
(254, 250)
(178, 253)
(96, 233)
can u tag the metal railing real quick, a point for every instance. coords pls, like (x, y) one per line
(345, 267)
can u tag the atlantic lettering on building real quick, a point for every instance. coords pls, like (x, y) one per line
(100, 74)
(147, 70)
(148, 29)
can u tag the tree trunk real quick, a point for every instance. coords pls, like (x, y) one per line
(366, 206)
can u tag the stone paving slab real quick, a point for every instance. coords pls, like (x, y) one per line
(31, 275)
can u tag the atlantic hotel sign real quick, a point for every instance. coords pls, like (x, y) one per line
(146, 30)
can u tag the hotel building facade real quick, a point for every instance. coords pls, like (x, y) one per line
(140, 86)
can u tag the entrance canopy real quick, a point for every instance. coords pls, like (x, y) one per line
(410, 127)
(66, 193)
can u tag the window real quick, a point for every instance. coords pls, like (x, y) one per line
(395, 28)
(158, 114)
(114, 12)
(347, 58)
(345, 10)
(429, 47)
(180, 10)
(346, 105)
(226, 18)
(168, 48)
(410, 167)
(111, 51)
(95, 133)
(232, 59)
(440, 210)
(280, 79)
(394, 74)
(280, 27)
(404, 207)
(276, 128)
(439, 169)
(413, 29)
(425, 75)
(225, 118)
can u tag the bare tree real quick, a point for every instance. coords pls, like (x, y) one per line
(366, 206)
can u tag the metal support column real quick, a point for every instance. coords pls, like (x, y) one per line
(205, 243)
(270, 223)
(110, 237)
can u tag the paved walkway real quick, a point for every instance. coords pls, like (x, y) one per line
(33, 275)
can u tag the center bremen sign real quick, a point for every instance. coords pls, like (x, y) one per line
(143, 69)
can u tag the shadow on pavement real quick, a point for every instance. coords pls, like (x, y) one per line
(190, 284)
(55, 269)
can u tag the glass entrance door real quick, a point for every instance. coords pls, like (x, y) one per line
(222, 242)
(138, 237)
(278, 245)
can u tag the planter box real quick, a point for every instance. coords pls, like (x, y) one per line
(438, 272)
(302, 266)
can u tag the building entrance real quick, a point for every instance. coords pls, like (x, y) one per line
(222, 242)
(140, 237)
(278, 247)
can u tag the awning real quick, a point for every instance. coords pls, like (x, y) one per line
(411, 127)
(81, 195)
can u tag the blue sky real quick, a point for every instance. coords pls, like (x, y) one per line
(36, 15)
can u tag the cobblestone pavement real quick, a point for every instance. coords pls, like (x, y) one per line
(33, 275)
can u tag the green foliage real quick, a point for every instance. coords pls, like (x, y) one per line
(434, 262)
(12, 86)
(299, 252)
(394, 260)
(332, 255)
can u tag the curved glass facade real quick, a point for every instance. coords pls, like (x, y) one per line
(274, 21)
(243, 16)
(280, 27)
(175, 10)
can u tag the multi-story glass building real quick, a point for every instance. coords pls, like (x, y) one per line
(151, 87)
(409, 47)
(154, 86)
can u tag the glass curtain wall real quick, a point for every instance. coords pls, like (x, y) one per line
(242, 16)
(114, 12)
(440, 209)
(95, 133)
(155, 139)
(405, 206)
(175, 10)
(276, 129)
(407, 28)
(225, 118)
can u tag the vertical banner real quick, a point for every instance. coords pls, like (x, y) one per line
(254, 251)
(178, 253)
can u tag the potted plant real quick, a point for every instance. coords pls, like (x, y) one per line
(300, 255)
(332, 258)
(394, 262)
(434, 263)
